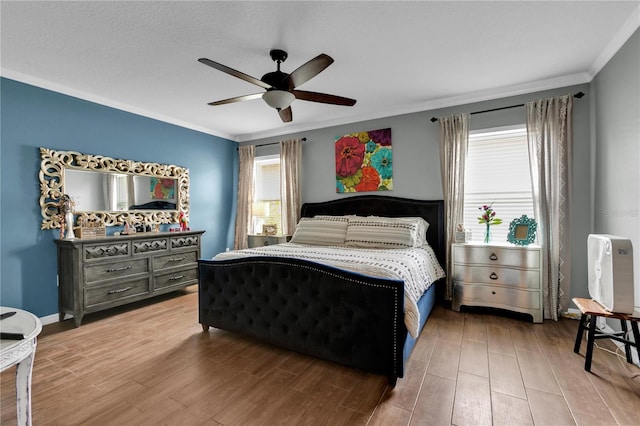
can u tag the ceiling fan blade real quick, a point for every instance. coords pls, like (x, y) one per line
(323, 98)
(286, 114)
(308, 70)
(236, 99)
(234, 73)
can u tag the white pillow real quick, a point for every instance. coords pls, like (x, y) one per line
(321, 230)
(386, 232)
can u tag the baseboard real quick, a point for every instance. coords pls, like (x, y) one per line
(571, 313)
(50, 319)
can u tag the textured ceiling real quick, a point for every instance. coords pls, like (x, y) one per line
(393, 57)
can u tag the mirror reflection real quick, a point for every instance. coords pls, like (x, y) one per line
(101, 191)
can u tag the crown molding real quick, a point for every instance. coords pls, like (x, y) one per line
(621, 37)
(69, 91)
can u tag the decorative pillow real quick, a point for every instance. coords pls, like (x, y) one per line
(321, 230)
(421, 230)
(386, 232)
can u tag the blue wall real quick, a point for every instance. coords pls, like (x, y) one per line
(32, 117)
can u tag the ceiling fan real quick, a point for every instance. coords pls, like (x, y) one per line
(281, 87)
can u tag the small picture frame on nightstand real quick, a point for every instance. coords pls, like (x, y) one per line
(269, 229)
(522, 231)
(462, 237)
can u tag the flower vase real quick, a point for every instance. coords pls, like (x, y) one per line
(487, 234)
(68, 218)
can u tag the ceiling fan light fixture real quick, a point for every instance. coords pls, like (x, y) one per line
(278, 99)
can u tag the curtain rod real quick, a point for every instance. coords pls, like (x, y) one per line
(434, 119)
(273, 143)
(276, 143)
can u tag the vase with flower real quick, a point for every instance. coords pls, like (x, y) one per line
(489, 218)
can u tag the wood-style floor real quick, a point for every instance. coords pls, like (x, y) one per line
(151, 364)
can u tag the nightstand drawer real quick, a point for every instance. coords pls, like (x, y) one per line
(497, 297)
(267, 240)
(493, 275)
(503, 256)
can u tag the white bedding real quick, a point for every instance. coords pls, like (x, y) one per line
(418, 267)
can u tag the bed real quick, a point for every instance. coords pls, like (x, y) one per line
(328, 312)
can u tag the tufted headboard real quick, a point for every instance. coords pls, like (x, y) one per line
(378, 205)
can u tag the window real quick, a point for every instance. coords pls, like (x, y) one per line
(497, 172)
(266, 193)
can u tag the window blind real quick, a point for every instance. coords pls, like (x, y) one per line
(267, 180)
(497, 173)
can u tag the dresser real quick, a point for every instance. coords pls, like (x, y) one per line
(501, 276)
(101, 273)
(266, 240)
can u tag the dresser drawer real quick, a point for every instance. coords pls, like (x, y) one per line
(497, 297)
(116, 250)
(175, 259)
(177, 278)
(503, 256)
(121, 290)
(184, 241)
(495, 275)
(105, 271)
(150, 246)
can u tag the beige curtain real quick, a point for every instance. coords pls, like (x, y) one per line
(550, 139)
(246, 156)
(454, 141)
(111, 191)
(131, 191)
(290, 191)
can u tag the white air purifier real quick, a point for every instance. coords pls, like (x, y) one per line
(610, 261)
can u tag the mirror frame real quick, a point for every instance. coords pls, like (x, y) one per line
(531, 230)
(54, 163)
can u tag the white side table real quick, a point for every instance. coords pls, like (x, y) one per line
(498, 275)
(21, 354)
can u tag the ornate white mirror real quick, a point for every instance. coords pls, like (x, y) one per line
(111, 191)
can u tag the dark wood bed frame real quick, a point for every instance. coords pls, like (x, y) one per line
(319, 310)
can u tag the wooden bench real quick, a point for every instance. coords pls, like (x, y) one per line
(590, 311)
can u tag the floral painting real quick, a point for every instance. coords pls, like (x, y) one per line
(364, 161)
(163, 189)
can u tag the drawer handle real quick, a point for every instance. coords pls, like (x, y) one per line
(266, 243)
(179, 277)
(493, 276)
(493, 292)
(118, 269)
(176, 259)
(493, 256)
(122, 290)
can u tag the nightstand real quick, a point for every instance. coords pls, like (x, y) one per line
(501, 276)
(267, 240)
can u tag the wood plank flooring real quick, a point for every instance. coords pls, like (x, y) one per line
(151, 364)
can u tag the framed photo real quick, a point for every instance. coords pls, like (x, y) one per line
(269, 229)
(522, 231)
